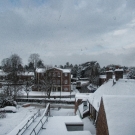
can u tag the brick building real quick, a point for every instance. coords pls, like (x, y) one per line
(116, 115)
(25, 76)
(110, 74)
(118, 74)
(102, 127)
(61, 79)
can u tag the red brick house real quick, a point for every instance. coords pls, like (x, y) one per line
(25, 76)
(117, 74)
(120, 87)
(61, 79)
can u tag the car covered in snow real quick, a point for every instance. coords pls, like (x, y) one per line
(9, 109)
(74, 83)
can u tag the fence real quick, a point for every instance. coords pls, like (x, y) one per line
(47, 100)
(29, 122)
(42, 121)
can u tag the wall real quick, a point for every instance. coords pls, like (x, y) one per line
(101, 124)
(66, 82)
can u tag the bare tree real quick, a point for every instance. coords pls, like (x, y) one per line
(6, 91)
(35, 61)
(27, 86)
(12, 66)
(6, 64)
(47, 84)
(34, 58)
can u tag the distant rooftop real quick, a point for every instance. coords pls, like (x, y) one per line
(63, 70)
(109, 71)
(26, 73)
(118, 69)
(40, 70)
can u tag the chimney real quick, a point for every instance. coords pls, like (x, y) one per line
(109, 74)
(118, 74)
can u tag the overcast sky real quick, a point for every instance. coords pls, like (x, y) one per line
(73, 31)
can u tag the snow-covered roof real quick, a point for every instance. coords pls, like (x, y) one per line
(57, 125)
(63, 70)
(121, 87)
(109, 71)
(120, 113)
(83, 96)
(66, 70)
(40, 70)
(102, 76)
(26, 73)
(118, 69)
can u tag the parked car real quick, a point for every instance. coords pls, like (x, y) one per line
(74, 83)
(9, 109)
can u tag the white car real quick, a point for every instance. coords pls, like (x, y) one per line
(9, 109)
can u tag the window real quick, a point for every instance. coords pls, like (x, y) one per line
(66, 81)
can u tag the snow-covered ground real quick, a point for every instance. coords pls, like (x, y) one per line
(13, 119)
(40, 93)
(62, 112)
(88, 125)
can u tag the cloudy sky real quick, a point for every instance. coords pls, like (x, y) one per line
(73, 31)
